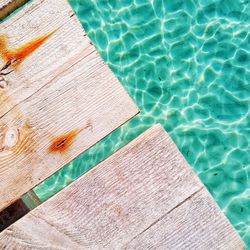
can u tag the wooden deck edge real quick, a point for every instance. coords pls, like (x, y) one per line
(199, 213)
(10, 7)
(60, 102)
(143, 196)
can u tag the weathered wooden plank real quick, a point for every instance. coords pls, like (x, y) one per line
(121, 198)
(59, 102)
(197, 223)
(67, 45)
(8, 6)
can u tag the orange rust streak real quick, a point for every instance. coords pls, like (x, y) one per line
(22, 52)
(3, 46)
(62, 143)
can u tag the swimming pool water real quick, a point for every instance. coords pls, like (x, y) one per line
(187, 66)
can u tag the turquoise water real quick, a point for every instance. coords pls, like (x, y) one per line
(186, 63)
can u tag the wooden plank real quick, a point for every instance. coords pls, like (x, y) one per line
(8, 6)
(59, 102)
(66, 46)
(196, 224)
(120, 199)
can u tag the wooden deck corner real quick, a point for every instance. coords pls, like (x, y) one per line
(145, 196)
(57, 96)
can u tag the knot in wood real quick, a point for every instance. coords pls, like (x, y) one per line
(11, 138)
(3, 83)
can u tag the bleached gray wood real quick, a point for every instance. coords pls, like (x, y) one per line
(64, 86)
(66, 46)
(197, 224)
(121, 198)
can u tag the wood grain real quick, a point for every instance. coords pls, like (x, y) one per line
(8, 6)
(61, 89)
(63, 49)
(118, 201)
(197, 223)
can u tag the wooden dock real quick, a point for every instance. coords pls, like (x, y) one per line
(144, 196)
(57, 99)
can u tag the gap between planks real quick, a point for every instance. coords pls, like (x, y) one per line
(145, 196)
(60, 101)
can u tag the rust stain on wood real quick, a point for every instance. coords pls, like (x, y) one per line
(18, 55)
(17, 139)
(61, 144)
